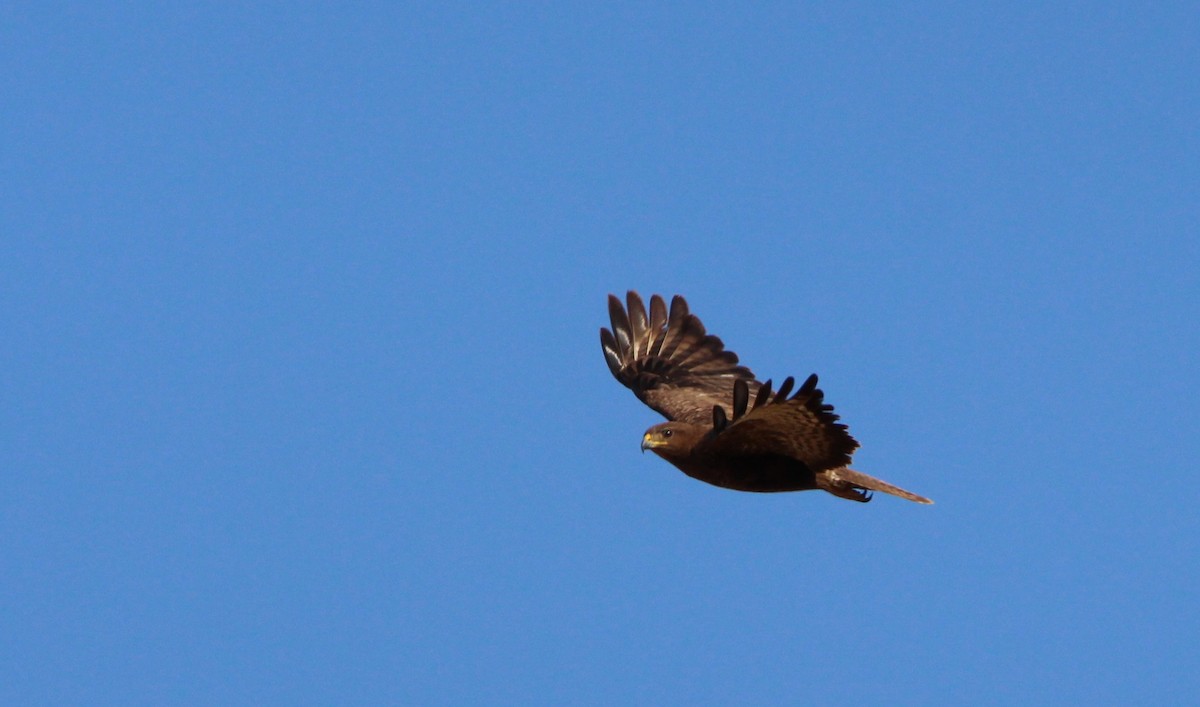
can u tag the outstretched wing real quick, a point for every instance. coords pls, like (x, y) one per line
(669, 361)
(801, 427)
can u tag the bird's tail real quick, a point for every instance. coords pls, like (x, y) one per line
(841, 479)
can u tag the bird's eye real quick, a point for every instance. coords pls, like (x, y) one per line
(667, 433)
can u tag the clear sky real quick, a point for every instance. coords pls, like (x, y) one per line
(304, 403)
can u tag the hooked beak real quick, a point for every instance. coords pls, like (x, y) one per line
(649, 443)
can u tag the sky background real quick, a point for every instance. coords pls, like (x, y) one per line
(304, 403)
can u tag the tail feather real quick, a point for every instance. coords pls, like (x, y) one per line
(840, 479)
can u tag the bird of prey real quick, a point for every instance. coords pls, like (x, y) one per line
(724, 427)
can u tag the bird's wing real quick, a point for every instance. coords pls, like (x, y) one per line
(800, 427)
(668, 360)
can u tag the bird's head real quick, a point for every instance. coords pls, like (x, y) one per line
(671, 440)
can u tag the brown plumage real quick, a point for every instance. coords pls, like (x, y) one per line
(769, 440)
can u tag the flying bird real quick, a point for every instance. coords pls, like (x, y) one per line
(725, 427)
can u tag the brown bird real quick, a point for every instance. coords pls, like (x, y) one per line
(778, 441)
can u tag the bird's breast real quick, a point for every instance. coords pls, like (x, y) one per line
(760, 474)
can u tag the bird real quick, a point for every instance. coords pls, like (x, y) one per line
(724, 427)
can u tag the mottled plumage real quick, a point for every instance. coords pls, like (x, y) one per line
(725, 427)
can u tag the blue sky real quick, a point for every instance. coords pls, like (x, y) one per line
(304, 401)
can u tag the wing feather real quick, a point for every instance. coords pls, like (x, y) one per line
(620, 323)
(638, 325)
(675, 326)
(719, 420)
(784, 389)
(741, 397)
(612, 351)
(658, 324)
(764, 390)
